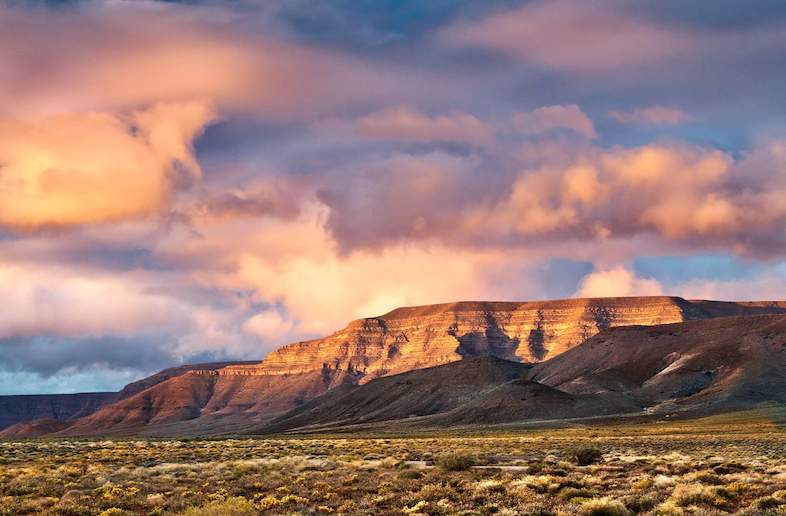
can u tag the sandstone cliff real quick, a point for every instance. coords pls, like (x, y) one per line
(425, 336)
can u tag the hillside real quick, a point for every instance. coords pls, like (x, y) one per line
(725, 362)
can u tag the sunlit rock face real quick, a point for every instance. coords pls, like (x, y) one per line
(417, 337)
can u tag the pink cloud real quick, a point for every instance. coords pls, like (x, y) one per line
(404, 124)
(123, 55)
(574, 36)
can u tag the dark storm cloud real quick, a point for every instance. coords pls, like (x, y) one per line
(51, 355)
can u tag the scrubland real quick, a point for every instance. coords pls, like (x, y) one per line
(714, 466)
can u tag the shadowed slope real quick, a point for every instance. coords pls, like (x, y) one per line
(718, 362)
(35, 428)
(414, 393)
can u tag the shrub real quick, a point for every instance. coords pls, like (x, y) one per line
(113, 511)
(639, 503)
(489, 486)
(604, 507)
(586, 454)
(455, 461)
(767, 502)
(232, 507)
(694, 494)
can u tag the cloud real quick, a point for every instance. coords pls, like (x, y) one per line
(617, 282)
(573, 36)
(653, 115)
(123, 55)
(57, 301)
(296, 266)
(548, 118)
(404, 124)
(400, 197)
(49, 356)
(84, 168)
(271, 327)
(276, 196)
(763, 287)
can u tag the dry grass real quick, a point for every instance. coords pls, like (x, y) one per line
(692, 468)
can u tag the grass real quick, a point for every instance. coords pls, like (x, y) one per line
(698, 467)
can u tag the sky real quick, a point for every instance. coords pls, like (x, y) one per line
(209, 180)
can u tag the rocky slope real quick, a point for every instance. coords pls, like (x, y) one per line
(219, 397)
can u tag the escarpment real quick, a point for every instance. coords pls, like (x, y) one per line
(425, 336)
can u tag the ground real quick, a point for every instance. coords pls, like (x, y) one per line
(725, 464)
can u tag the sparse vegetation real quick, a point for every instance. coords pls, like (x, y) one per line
(708, 467)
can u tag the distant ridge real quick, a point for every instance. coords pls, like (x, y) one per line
(58, 407)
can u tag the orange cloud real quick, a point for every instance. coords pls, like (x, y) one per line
(72, 169)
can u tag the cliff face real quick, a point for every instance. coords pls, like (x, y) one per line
(418, 337)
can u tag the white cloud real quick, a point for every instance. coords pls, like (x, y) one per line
(618, 281)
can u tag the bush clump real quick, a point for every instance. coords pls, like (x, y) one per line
(604, 507)
(455, 461)
(586, 454)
